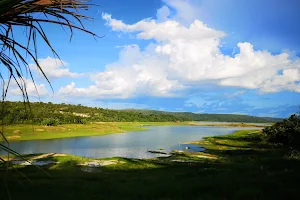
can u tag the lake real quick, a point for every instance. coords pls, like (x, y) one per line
(130, 144)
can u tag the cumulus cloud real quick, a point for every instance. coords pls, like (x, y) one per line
(32, 89)
(165, 31)
(276, 74)
(55, 68)
(193, 54)
(136, 73)
(186, 11)
(185, 56)
(163, 14)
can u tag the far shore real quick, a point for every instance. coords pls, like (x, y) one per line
(38, 132)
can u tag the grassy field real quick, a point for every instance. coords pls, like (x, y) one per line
(35, 132)
(235, 166)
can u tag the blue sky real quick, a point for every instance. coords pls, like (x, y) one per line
(204, 56)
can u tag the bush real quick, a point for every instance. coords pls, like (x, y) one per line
(286, 132)
(83, 121)
(50, 122)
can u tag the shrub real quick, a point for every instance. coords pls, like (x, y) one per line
(50, 122)
(286, 132)
(83, 121)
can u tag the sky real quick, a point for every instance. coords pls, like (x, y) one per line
(202, 56)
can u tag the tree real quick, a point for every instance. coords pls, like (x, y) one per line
(31, 15)
(286, 132)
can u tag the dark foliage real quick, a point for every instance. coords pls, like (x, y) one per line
(213, 117)
(286, 132)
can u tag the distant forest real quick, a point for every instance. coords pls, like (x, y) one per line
(213, 117)
(54, 114)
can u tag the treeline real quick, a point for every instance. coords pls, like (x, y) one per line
(54, 114)
(213, 117)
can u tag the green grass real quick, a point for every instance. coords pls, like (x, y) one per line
(34, 132)
(235, 166)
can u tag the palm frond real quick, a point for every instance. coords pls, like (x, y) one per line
(31, 15)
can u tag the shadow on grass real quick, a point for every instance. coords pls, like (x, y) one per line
(239, 173)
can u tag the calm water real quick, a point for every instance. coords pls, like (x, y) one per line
(225, 123)
(130, 144)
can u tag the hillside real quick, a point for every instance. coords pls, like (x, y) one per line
(53, 114)
(212, 117)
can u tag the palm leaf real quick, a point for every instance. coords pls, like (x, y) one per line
(14, 55)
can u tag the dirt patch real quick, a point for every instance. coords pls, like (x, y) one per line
(48, 155)
(101, 163)
(203, 156)
(39, 129)
(13, 137)
(34, 162)
(16, 131)
(184, 161)
(52, 129)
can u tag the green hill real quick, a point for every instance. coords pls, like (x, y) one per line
(52, 114)
(212, 117)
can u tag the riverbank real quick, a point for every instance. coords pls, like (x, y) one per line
(36, 132)
(234, 166)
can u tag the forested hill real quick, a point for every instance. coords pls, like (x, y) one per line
(52, 114)
(212, 117)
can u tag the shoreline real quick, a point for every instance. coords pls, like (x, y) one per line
(26, 132)
(16, 133)
(241, 162)
(204, 143)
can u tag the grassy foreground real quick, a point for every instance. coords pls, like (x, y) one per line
(35, 132)
(235, 166)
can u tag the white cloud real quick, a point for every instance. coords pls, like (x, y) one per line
(150, 29)
(185, 56)
(135, 73)
(193, 54)
(235, 94)
(267, 78)
(55, 68)
(186, 11)
(32, 89)
(163, 14)
(196, 101)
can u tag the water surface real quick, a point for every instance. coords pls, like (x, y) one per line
(130, 144)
